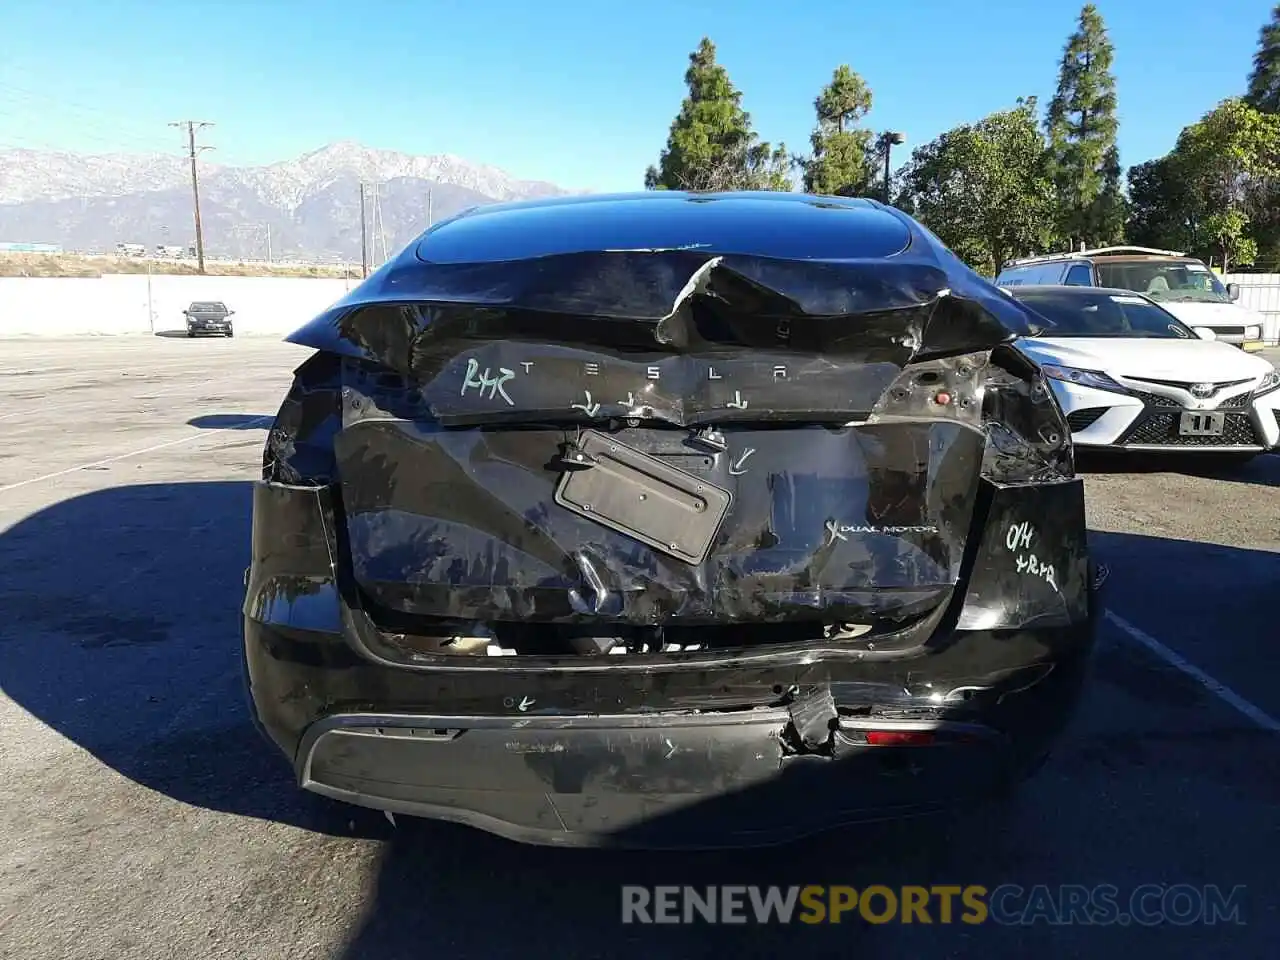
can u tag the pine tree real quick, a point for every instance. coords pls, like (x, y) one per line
(1082, 128)
(710, 146)
(841, 164)
(1264, 81)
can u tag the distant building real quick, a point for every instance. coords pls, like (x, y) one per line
(30, 248)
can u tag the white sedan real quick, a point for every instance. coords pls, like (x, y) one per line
(1131, 376)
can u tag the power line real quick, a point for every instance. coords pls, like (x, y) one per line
(192, 126)
(109, 125)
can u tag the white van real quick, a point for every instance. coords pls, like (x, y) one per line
(1182, 285)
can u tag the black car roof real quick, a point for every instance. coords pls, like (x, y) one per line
(787, 226)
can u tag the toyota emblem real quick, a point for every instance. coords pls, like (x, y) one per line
(1202, 390)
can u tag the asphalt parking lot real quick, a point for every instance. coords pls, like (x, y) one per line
(141, 816)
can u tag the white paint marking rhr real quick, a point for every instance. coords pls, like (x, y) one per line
(1176, 660)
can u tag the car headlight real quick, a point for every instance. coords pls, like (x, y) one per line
(1083, 378)
(1270, 382)
(1252, 333)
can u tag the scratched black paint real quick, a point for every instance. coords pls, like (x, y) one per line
(905, 537)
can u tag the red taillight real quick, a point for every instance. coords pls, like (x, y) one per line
(900, 738)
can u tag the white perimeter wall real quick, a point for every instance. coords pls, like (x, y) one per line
(138, 304)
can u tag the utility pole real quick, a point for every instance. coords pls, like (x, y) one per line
(192, 126)
(364, 237)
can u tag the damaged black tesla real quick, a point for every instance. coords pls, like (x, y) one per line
(668, 520)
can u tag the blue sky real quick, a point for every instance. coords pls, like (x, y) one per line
(577, 92)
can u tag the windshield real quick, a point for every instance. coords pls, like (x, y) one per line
(1168, 280)
(207, 308)
(1104, 315)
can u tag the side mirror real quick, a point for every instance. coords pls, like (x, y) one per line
(231, 313)
(1204, 333)
(1233, 291)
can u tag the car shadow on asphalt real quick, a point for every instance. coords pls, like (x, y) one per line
(122, 634)
(231, 421)
(1263, 470)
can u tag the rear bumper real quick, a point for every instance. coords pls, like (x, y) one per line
(670, 778)
(701, 781)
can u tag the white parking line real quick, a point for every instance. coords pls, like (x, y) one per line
(1219, 690)
(125, 456)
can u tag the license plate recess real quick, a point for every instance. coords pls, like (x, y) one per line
(643, 497)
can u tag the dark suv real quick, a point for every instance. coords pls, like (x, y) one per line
(668, 520)
(209, 316)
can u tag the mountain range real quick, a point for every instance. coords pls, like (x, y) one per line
(308, 207)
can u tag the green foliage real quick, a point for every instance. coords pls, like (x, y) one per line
(1162, 213)
(1264, 81)
(984, 188)
(1226, 229)
(711, 145)
(1213, 194)
(1226, 164)
(842, 163)
(1082, 125)
(768, 168)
